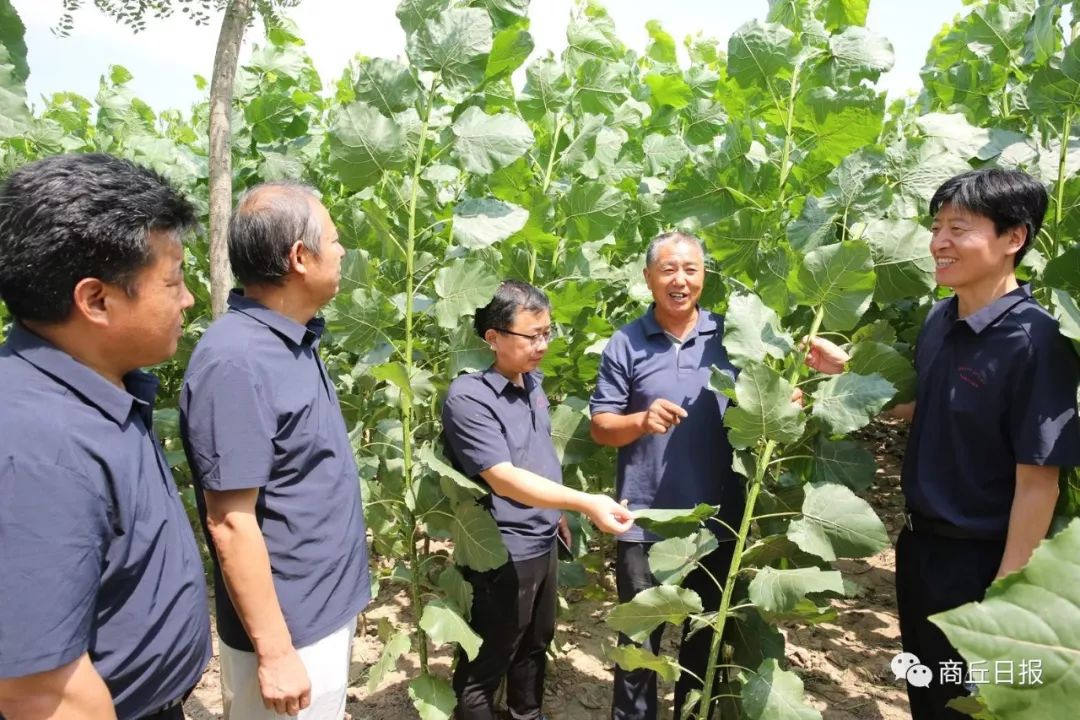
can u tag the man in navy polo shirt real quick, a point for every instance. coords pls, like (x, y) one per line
(277, 483)
(653, 402)
(497, 429)
(104, 609)
(994, 419)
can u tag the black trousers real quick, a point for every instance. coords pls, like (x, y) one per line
(934, 574)
(635, 690)
(514, 612)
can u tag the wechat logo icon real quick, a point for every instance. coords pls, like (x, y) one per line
(906, 666)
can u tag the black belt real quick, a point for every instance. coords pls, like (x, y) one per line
(931, 526)
(164, 710)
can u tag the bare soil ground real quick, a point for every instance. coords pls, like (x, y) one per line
(844, 665)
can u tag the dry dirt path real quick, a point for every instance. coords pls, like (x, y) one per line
(844, 665)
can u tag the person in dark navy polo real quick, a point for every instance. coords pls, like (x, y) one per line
(103, 607)
(993, 423)
(652, 402)
(275, 475)
(496, 429)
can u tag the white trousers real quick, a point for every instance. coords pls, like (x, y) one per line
(327, 664)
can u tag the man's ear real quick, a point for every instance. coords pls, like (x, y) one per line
(1015, 237)
(93, 299)
(299, 256)
(489, 337)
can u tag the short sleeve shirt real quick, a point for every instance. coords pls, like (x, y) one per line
(489, 420)
(259, 410)
(691, 463)
(995, 389)
(96, 551)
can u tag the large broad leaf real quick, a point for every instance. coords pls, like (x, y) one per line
(770, 693)
(1068, 314)
(508, 51)
(842, 120)
(674, 523)
(902, 261)
(358, 320)
(918, 168)
(664, 153)
(754, 639)
(673, 559)
(1052, 89)
(651, 608)
(838, 277)
(958, 135)
(836, 523)
(364, 144)
(758, 53)
(779, 591)
(869, 357)
(395, 647)
(479, 223)
(15, 117)
(844, 461)
(668, 89)
(841, 13)
(764, 410)
(462, 487)
(412, 14)
(462, 286)
(443, 624)
(432, 697)
(859, 53)
(570, 431)
(1030, 619)
(386, 84)
(459, 591)
(547, 88)
(455, 44)
(592, 210)
(477, 542)
(484, 143)
(12, 37)
(849, 401)
(629, 657)
(752, 330)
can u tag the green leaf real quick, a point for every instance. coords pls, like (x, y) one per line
(669, 90)
(918, 170)
(957, 134)
(484, 143)
(397, 646)
(412, 14)
(364, 144)
(842, 120)
(1063, 271)
(15, 118)
(464, 488)
(13, 38)
(843, 461)
(630, 657)
(673, 523)
(477, 542)
(836, 523)
(416, 388)
(779, 591)
(758, 53)
(841, 13)
(570, 431)
(432, 697)
(459, 591)
(752, 331)
(848, 402)
(462, 287)
(592, 210)
(1031, 616)
(480, 223)
(386, 85)
(652, 607)
(509, 50)
(547, 88)
(602, 86)
(662, 45)
(454, 44)
(1053, 89)
(902, 261)
(357, 320)
(592, 35)
(869, 357)
(673, 559)
(859, 53)
(764, 410)
(770, 693)
(1067, 313)
(504, 12)
(839, 277)
(664, 153)
(443, 625)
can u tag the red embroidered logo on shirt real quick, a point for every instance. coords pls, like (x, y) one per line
(974, 378)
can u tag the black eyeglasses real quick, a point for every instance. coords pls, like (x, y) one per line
(546, 336)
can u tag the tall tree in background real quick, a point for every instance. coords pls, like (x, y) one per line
(234, 22)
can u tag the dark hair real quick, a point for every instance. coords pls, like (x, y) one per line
(674, 236)
(268, 220)
(1006, 197)
(71, 217)
(512, 297)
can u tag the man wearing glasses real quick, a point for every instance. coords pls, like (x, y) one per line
(653, 402)
(497, 430)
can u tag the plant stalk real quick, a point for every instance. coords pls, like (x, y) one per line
(705, 708)
(785, 158)
(1063, 156)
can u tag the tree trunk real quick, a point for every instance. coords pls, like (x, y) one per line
(226, 58)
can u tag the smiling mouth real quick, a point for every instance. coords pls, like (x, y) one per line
(944, 262)
(679, 297)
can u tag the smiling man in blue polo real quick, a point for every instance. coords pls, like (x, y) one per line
(993, 423)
